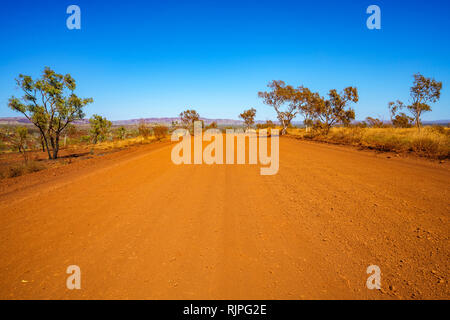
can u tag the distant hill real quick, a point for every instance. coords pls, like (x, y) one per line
(14, 120)
(169, 121)
(432, 122)
(22, 120)
(439, 122)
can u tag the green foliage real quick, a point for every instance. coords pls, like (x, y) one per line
(121, 132)
(318, 112)
(277, 97)
(99, 128)
(394, 107)
(51, 104)
(85, 139)
(327, 113)
(402, 121)
(423, 92)
(19, 140)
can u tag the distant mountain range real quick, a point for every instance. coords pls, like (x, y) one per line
(22, 120)
(170, 120)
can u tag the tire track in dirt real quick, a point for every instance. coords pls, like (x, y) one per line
(144, 228)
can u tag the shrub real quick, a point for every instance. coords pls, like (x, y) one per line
(144, 130)
(374, 122)
(402, 121)
(433, 142)
(437, 129)
(20, 169)
(99, 128)
(85, 139)
(160, 132)
(212, 125)
(121, 132)
(33, 166)
(430, 146)
(15, 171)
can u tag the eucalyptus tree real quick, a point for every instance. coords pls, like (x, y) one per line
(248, 116)
(99, 128)
(282, 99)
(335, 110)
(50, 103)
(423, 92)
(188, 117)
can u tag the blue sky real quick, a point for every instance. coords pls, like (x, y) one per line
(156, 58)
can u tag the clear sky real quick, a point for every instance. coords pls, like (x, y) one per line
(156, 58)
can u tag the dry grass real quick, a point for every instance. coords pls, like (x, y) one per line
(15, 166)
(20, 169)
(120, 144)
(431, 142)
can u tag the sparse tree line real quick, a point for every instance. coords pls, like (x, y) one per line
(322, 113)
(25, 138)
(318, 112)
(51, 105)
(423, 92)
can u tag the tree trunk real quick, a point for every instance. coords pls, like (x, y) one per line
(46, 146)
(24, 154)
(44, 143)
(285, 125)
(52, 143)
(417, 116)
(418, 120)
(56, 147)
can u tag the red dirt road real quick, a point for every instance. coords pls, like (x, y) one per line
(141, 227)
